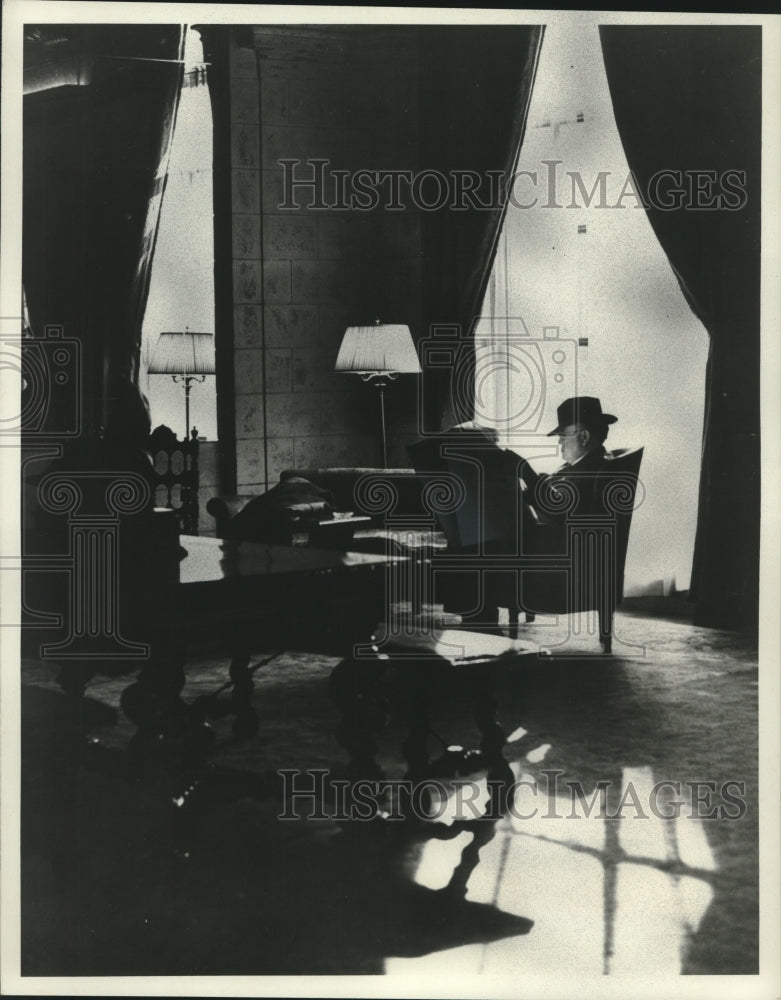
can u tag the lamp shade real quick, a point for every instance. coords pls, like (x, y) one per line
(183, 354)
(385, 347)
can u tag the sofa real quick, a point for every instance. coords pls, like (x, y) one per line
(394, 501)
(387, 496)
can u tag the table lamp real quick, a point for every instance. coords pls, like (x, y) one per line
(379, 354)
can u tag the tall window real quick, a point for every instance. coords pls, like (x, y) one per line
(582, 301)
(181, 290)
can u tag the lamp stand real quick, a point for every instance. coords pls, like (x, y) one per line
(380, 383)
(380, 380)
(188, 380)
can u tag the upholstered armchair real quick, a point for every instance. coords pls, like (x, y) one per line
(497, 556)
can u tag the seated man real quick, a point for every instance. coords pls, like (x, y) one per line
(510, 495)
(575, 487)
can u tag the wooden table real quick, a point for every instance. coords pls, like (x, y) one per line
(335, 532)
(251, 596)
(246, 597)
(423, 659)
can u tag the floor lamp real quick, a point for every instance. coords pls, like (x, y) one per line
(187, 358)
(379, 354)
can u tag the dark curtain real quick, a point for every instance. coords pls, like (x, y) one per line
(91, 170)
(688, 99)
(476, 85)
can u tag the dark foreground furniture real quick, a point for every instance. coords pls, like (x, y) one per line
(427, 660)
(390, 514)
(376, 494)
(244, 597)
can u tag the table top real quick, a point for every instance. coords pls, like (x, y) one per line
(212, 559)
(458, 646)
(343, 517)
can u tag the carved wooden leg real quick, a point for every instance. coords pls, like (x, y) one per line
(246, 723)
(418, 680)
(154, 702)
(73, 679)
(354, 687)
(492, 735)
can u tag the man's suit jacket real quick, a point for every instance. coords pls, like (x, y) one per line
(550, 499)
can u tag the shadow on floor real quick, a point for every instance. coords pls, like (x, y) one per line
(104, 890)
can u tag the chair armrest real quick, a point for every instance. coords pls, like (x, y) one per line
(303, 511)
(224, 509)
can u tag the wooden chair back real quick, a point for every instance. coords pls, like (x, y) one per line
(175, 476)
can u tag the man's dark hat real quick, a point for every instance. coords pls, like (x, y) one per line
(586, 410)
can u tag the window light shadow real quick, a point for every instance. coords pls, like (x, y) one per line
(612, 895)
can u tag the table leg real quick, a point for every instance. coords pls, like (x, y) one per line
(418, 679)
(153, 702)
(354, 686)
(246, 723)
(73, 679)
(492, 735)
